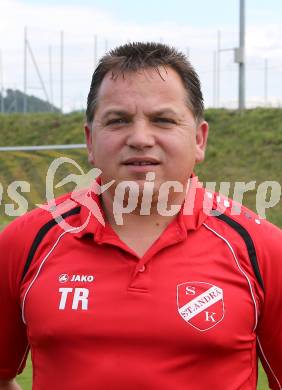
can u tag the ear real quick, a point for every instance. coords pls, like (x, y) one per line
(89, 142)
(202, 132)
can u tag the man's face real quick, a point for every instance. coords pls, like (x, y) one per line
(142, 124)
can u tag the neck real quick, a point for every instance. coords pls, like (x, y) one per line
(139, 231)
(121, 215)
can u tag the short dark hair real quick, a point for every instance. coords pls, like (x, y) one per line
(136, 56)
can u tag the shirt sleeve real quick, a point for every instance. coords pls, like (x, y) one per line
(269, 332)
(13, 338)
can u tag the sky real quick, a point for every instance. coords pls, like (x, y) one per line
(191, 26)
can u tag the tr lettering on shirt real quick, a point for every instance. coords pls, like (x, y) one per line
(79, 297)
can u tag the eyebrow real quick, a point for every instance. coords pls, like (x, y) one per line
(164, 111)
(115, 112)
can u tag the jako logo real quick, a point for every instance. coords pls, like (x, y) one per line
(63, 278)
(82, 278)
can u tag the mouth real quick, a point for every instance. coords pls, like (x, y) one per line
(139, 162)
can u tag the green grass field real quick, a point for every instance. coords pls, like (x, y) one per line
(241, 148)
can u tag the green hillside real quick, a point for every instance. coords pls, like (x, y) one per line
(243, 148)
(14, 101)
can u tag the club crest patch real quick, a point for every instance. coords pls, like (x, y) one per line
(200, 304)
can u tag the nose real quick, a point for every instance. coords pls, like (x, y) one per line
(140, 136)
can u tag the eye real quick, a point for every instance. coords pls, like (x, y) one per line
(116, 121)
(164, 120)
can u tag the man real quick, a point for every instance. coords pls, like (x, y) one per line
(170, 290)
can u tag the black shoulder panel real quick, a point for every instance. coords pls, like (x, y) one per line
(249, 244)
(41, 234)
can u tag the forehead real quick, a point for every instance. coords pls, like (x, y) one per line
(146, 85)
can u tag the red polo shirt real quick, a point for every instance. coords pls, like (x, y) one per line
(190, 314)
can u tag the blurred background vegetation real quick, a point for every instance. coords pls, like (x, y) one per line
(242, 147)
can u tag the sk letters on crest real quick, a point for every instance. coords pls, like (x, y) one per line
(200, 304)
